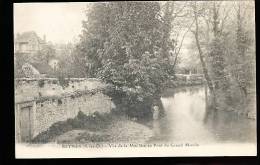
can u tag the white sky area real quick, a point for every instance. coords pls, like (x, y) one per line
(60, 22)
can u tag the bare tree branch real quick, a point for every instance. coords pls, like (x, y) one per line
(224, 20)
(176, 56)
(179, 11)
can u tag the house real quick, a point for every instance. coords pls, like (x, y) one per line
(37, 70)
(28, 42)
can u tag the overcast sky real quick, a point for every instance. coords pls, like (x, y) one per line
(60, 22)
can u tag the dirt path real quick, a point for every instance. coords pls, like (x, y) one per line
(118, 131)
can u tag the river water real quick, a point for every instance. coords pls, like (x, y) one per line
(188, 120)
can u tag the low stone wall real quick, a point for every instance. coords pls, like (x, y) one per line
(84, 95)
(53, 110)
(35, 87)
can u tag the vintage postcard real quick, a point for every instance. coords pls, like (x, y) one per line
(135, 79)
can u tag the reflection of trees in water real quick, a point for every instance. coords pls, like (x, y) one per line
(227, 125)
(160, 126)
(172, 91)
(194, 90)
(156, 127)
(223, 125)
(161, 129)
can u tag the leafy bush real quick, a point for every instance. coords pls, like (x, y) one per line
(41, 83)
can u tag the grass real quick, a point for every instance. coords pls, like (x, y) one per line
(94, 122)
(88, 137)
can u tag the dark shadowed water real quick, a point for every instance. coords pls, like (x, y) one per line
(188, 120)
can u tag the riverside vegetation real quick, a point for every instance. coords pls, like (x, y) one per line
(135, 47)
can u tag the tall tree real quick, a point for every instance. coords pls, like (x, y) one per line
(92, 40)
(217, 51)
(125, 41)
(201, 54)
(242, 71)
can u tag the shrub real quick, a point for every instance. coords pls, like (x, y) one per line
(41, 83)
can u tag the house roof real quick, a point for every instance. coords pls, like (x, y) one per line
(19, 73)
(26, 36)
(44, 68)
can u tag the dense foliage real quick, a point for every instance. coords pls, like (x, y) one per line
(125, 43)
(45, 54)
(227, 28)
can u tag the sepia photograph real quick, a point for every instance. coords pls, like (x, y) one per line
(135, 79)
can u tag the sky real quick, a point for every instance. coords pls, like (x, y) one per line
(60, 22)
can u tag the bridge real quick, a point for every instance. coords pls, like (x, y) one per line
(188, 79)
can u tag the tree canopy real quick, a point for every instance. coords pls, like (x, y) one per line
(128, 45)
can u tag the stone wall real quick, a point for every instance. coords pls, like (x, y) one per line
(28, 88)
(60, 109)
(57, 103)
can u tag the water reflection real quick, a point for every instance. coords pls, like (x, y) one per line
(189, 119)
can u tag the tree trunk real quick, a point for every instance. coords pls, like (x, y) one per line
(201, 56)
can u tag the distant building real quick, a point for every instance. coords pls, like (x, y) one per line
(28, 42)
(36, 70)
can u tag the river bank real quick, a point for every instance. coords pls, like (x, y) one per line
(119, 131)
(95, 128)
